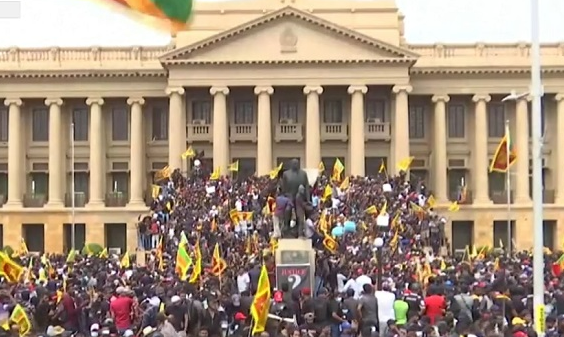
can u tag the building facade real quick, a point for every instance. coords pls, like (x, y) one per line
(262, 82)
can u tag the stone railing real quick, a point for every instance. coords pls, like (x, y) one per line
(89, 57)
(485, 50)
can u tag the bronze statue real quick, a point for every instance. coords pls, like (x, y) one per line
(295, 186)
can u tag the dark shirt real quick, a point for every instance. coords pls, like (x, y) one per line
(282, 202)
(177, 312)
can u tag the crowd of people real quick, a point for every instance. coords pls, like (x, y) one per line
(411, 287)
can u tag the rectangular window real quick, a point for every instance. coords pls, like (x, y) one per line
(244, 112)
(288, 112)
(40, 125)
(39, 184)
(247, 167)
(79, 236)
(456, 177)
(120, 182)
(160, 123)
(80, 124)
(34, 236)
(333, 111)
(4, 124)
(456, 122)
(120, 124)
(202, 111)
(417, 122)
(496, 120)
(375, 111)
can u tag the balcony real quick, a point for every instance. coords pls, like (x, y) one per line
(243, 133)
(377, 131)
(34, 200)
(334, 131)
(453, 196)
(500, 197)
(80, 199)
(116, 199)
(199, 132)
(288, 132)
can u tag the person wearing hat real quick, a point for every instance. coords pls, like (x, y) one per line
(177, 313)
(55, 331)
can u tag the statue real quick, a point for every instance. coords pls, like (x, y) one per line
(295, 186)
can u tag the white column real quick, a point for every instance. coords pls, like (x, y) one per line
(313, 126)
(522, 145)
(264, 142)
(440, 148)
(559, 149)
(176, 127)
(481, 160)
(15, 153)
(221, 156)
(356, 137)
(400, 135)
(97, 146)
(56, 159)
(137, 141)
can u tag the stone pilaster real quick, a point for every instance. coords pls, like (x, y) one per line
(15, 154)
(356, 136)
(56, 150)
(440, 148)
(481, 160)
(400, 136)
(97, 162)
(176, 127)
(137, 154)
(221, 156)
(313, 126)
(264, 142)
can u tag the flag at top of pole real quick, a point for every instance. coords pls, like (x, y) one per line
(171, 15)
(505, 154)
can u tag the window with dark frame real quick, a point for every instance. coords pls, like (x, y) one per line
(417, 122)
(40, 125)
(80, 124)
(120, 124)
(375, 110)
(244, 112)
(456, 120)
(333, 111)
(288, 112)
(202, 111)
(496, 120)
(160, 123)
(4, 124)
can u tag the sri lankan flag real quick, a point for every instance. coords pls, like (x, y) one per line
(261, 302)
(505, 154)
(10, 269)
(218, 263)
(170, 15)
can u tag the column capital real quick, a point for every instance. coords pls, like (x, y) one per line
(481, 97)
(402, 88)
(219, 90)
(357, 88)
(53, 101)
(308, 89)
(174, 90)
(440, 98)
(95, 100)
(13, 101)
(264, 89)
(559, 97)
(135, 100)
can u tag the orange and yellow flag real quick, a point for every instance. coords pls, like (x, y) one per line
(261, 302)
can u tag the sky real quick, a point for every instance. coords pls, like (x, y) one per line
(80, 23)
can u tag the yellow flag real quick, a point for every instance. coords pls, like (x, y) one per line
(327, 193)
(454, 207)
(155, 189)
(382, 168)
(234, 166)
(125, 262)
(274, 173)
(371, 210)
(338, 168)
(431, 201)
(384, 209)
(404, 164)
(345, 184)
(189, 153)
(215, 174)
(321, 166)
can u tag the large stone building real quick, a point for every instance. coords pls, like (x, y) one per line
(262, 81)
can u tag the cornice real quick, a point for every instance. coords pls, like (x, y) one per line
(81, 74)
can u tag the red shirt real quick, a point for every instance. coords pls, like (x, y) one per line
(434, 307)
(121, 309)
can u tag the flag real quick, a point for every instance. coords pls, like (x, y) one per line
(183, 262)
(23, 248)
(160, 252)
(501, 161)
(327, 193)
(155, 190)
(384, 209)
(20, 317)
(338, 168)
(454, 207)
(197, 271)
(329, 243)
(382, 168)
(10, 269)
(558, 266)
(218, 263)
(162, 174)
(324, 225)
(321, 167)
(404, 164)
(371, 210)
(273, 244)
(233, 167)
(234, 216)
(170, 15)
(345, 184)
(215, 174)
(71, 256)
(104, 254)
(261, 302)
(189, 153)
(274, 173)
(431, 201)
(125, 261)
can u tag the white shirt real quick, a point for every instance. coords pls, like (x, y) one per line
(357, 285)
(386, 301)
(341, 282)
(243, 282)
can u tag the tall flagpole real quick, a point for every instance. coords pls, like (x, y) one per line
(508, 187)
(536, 93)
(73, 200)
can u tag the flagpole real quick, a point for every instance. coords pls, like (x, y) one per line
(73, 200)
(508, 187)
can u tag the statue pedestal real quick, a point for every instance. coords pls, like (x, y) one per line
(295, 264)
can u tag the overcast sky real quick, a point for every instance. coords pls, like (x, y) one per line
(45, 23)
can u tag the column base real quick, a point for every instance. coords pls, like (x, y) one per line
(55, 204)
(95, 204)
(11, 204)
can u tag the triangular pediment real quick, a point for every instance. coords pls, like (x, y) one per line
(288, 35)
